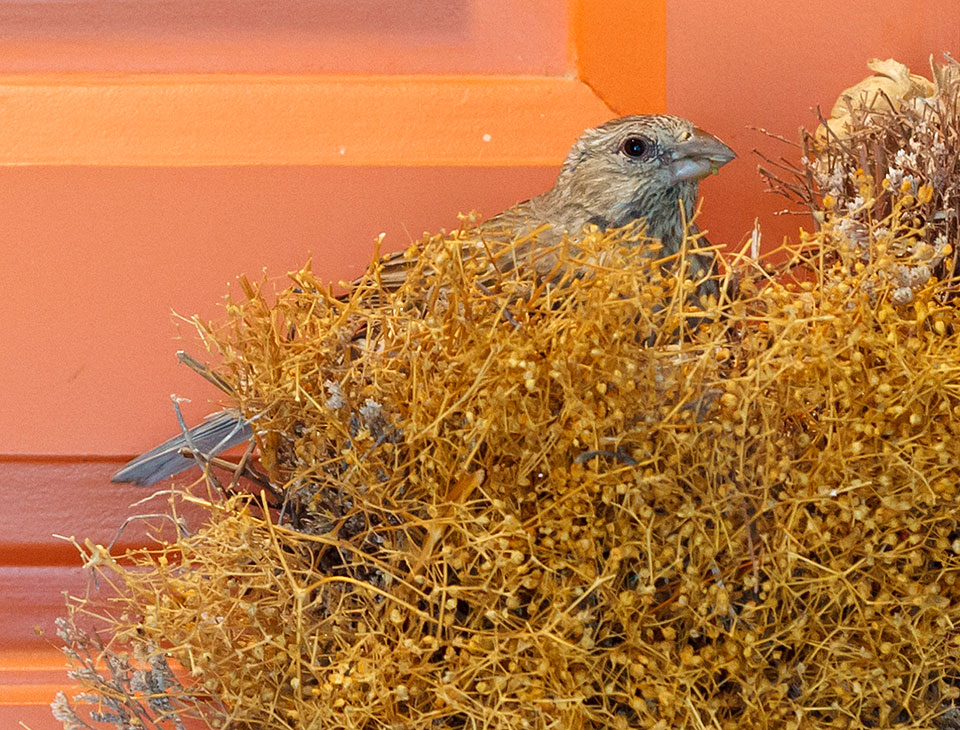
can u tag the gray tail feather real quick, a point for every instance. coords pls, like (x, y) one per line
(217, 433)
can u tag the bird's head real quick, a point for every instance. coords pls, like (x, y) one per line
(639, 167)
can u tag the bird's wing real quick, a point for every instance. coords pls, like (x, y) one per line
(491, 236)
(219, 432)
(393, 270)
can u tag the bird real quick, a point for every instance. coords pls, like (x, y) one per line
(635, 168)
(643, 168)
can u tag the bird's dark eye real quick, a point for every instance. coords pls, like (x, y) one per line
(635, 147)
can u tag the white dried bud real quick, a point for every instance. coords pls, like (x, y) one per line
(902, 295)
(336, 399)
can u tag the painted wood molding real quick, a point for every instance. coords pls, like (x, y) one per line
(226, 119)
(618, 48)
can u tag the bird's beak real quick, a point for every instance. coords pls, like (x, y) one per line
(698, 156)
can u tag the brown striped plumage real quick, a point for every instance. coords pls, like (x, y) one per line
(600, 184)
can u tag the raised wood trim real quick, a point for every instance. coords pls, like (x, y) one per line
(618, 47)
(32, 677)
(69, 497)
(284, 36)
(238, 119)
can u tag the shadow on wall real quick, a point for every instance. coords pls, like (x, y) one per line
(285, 36)
(174, 18)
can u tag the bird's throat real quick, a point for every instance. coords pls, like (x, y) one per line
(665, 218)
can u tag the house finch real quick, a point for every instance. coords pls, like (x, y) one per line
(638, 168)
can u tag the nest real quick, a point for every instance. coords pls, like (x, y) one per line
(574, 494)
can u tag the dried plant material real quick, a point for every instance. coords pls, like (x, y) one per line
(554, 487)
(127, 690)
(899, 165)
(580, 498)
(889, 88)
(945, 75)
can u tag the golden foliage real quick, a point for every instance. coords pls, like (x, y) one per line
(580, 500)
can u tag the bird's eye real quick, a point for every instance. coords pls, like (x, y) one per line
(635, 147)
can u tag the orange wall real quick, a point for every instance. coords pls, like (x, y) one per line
(768, 64)
(93, 258)
(124, 197)
(98, 258)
